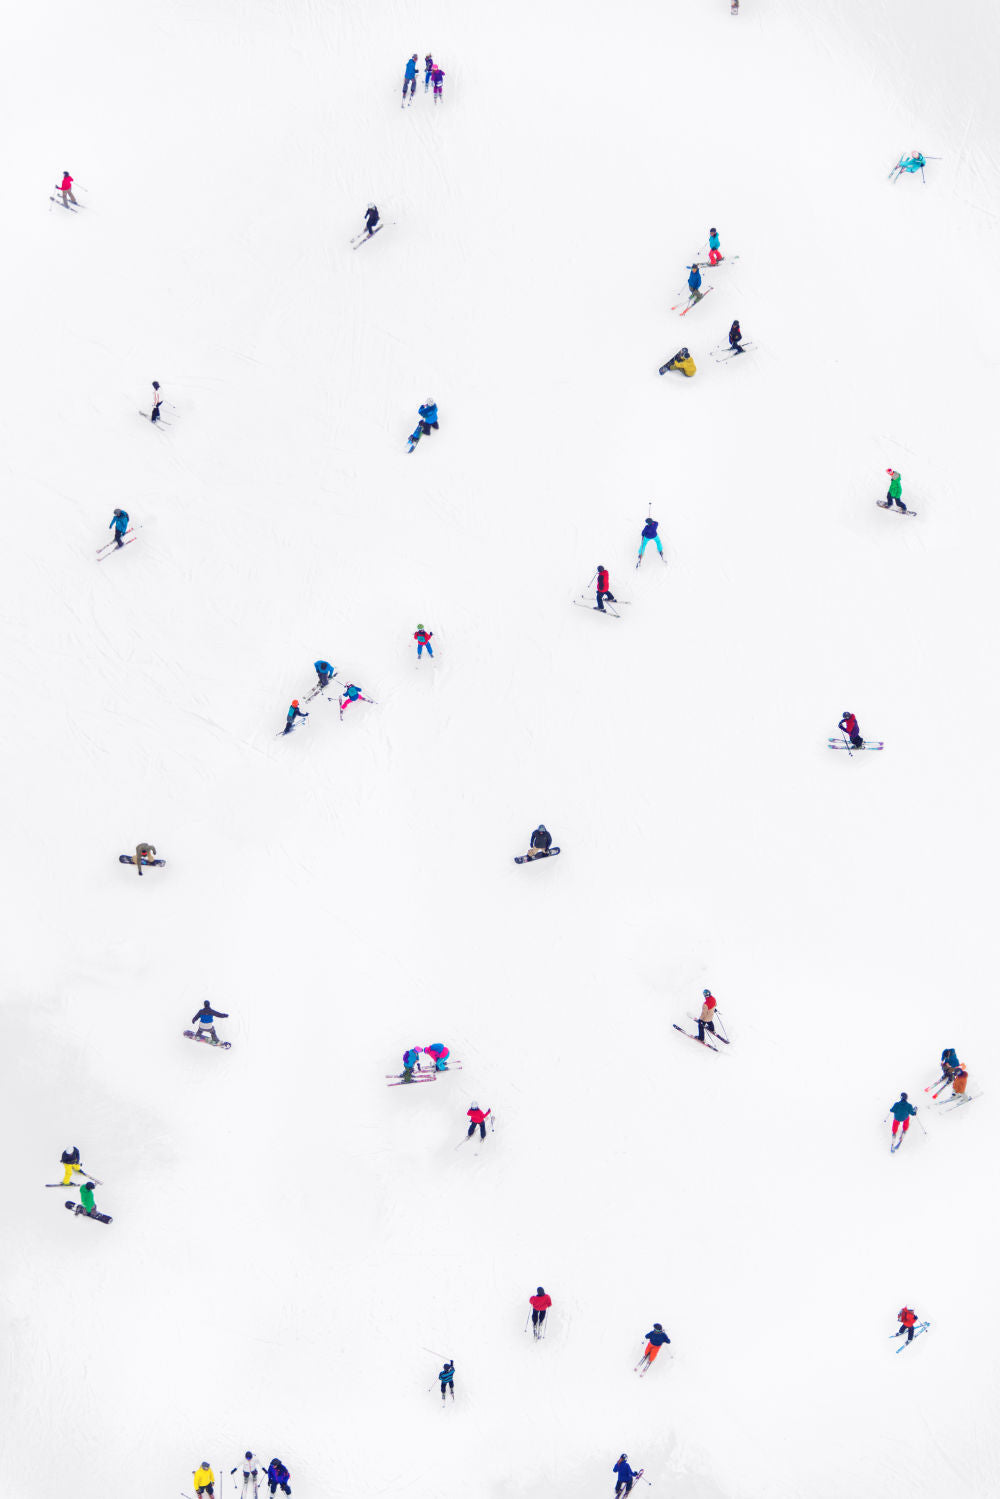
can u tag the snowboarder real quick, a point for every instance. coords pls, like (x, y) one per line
(894, 494)
(119, 523)
(603, 587)
(541, 842)
(294, 712)
(902, 1112)
(428, 69)
(477, 1116)
(87, 1199)
(694, 285)
(411, 1059)
(849, 725)
(649, 531)
(250, 1466)
(154, 415)
(423, 638)
(736, 338)
(324, 671)
(71, 1162)
(706, 1020)
(437, 78)
(410, 78)
(428, 414)
(681, 361)
(447, 1378)
(626, 1477)
(145, 853)
(351, 695)
(439, 1054)
(278, 1476)
(655, 1340)
(907, 1318)
(66, 188)
(204, 1019)
(540, 1304)
(714, 253)
(371, 219)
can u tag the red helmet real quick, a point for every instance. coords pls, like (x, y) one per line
(295, 702)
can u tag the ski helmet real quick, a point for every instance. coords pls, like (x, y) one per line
(473, 1104)
(248, 1455)
(156, 384)
(540, 1291)
(117, 512)
(419, 627)
(295, 702)
(903, 1098)
(713, 230)
(371, 205)
(90, 1186)
(707, 993)
(430, 401)
(657, 1326)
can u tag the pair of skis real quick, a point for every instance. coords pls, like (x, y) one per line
(364, 236)
(920, 1328)
(875, 744)
(112, 546)
(420, 1075)
(693, 1037)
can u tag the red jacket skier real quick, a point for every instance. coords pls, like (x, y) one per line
(540, 1304)
(603, 587)
(908, 1318)
(477, 1116)
(849, 726)
(66, 188)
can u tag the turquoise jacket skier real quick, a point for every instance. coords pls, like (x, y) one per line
(913, 163)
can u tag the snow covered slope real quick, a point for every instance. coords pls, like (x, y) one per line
(295, 1247)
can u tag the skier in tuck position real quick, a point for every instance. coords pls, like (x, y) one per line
(681, 361)
(655, 1340)
(119, 524)
(477, 1116)
(894, 494)
(423, 638)
(541, 842)
(204, 1021)
(902, 1112)
(540, 1304)
(603, 588)
(649, 531)
(706, 1020)
(251, 1468)
(625, 1476)
(428, 423)
(447, 1379)
(294, 712)
(849, 725)
(410, 79)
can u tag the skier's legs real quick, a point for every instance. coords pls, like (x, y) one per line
(909, 1334)
(471, 1131)
(155, 414)
(482, 1129)
(714, 256)
(895, 1126)
(68, 1175)
(642, 545)
(428, 649)
(659, 545)
(651, 1351)
(906, 1125)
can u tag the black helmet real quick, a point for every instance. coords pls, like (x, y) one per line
(117, 511)
(540, 1291)
(156, 384)
(541, 828)
(713, 230)
(90, 1186)
(903, 1098)
(248, 1455)
(657, 1326)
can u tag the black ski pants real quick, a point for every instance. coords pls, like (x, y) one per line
(606, 594)
(624, 1486)
(537, 1317)
(703, 1026)
(472, 1130)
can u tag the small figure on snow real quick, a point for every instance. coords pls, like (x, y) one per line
(894, 494)
(915, 162)
(907, 1318)
(655, 1340)
(71, 1162)
(714, 253)
(439, 1054)
(736, 338)
(119, 523)
(278, 1476)
(324, 672)
(371, 219)
(649, 531)
(706, 1020)
(428, 69)
(902, 1112)
(540, 1304)
(626, 1477)
(351, 695)
(437, 78)
(251, 1466)
(294, 712)
(477, 1116)
(694, 285)
(154, 415)
(145, 853)
(447, 1378)
(541, 842)
(603, 587)
(428, 414)
(410, 78)
(66, 188)
(849, 725)
(204, 1021)
(681, 361)
(423, 638)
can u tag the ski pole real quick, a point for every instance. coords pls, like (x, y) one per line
(847, 745)
(526, 1321)
(920, 1122)
(436, 1355)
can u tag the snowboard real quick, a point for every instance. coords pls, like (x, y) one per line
(78, 1207)
(207, 1041)
(884, 505)
(146, 863)
(523, 858)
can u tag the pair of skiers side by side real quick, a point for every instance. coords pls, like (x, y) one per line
(539, 846)
(428, 423)
(413, 1070)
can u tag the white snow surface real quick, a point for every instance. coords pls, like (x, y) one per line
(295, 1246)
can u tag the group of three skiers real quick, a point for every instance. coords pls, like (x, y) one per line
(433, 77)
(276, 1475)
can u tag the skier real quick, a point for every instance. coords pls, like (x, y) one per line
(410, 78)
(894, 494)
(541, 842)
(655, 1340)
(902, 1111)
(603, 589)
(428, 69)
(250, 1465)
(959, 1080)
(428, 414)
(119, 521)
(371, 219)
(447, 1378)
(949, 1061)
(439, 1054)
(694, 285)
(913, 163)
(324, 671)
(649, 531)
(714, 253)
(145, 853)
(204, 1479)
(351, 695)
(681, 361)
(907, 1317)
(706, 1020)
(626, 1477)
(278, 1476)
(411, 1059)
(70, 1162)
(154, 415)
(540, 1304)
(849, 725)
(204, 1019)
(66, 188)
(294, 712)
(477, 1116)
(87, 1199)
(736, 338)
(423, 638)
(437, 78)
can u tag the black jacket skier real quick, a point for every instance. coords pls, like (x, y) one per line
(735, 337)
(371, 219)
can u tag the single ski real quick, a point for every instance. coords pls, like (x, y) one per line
(523, 859)
(81, 1211)
(207, 1041)
(884, 505)
(692, 1037)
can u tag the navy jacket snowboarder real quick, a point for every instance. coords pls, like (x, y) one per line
(541, 842)
(204, 1018)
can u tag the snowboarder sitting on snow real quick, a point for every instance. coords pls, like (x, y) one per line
(706, 1020)
(439, 1054)
(626, 1477)
(447, 1378)
(736, 338)
(849, 725)
(70, 1162)
(541, 842)
(324, 671)
(145, 853)
(120, 523)
(278, 1476)
(603, 590)
(681, 361)
(894, 494)
(87, 1199)
(902, 1111)
(204, 1019)
(714, 253)
(908, 1318)
(371, 219)
(294, 712)
(478, 1116)
(423, 639)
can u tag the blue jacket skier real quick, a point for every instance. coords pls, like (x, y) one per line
(324, 672)
(902, 1112)
(649, 531)
(949, 1060)
(410, 78)
(447, 1378)
(119, 521)
(411, 1059)
(913, 163)
(694, 284)
(626, 1476)
(294, 712)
